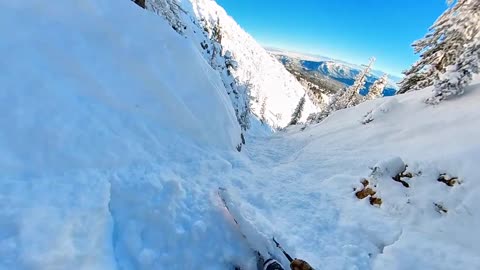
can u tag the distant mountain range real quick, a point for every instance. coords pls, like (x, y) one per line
(314, 68)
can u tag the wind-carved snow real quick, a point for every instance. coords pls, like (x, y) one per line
(116, 134)
(101, 101)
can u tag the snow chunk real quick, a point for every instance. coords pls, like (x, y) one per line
(389, 167)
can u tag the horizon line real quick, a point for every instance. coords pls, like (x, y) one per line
(317, 55)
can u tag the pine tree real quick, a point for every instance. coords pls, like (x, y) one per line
(297, 113)
(263, 110)
(351, 96)
(217, 47)
(432, 59)
(464, 44)
(457, 77)
(325, 109)
(344, 98)
(376, 90)
(444, 52)
(217, 31)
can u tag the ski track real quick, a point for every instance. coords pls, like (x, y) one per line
(304, 217)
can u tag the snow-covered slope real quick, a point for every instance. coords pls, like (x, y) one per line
(116, 134)
(306, 184)
(94, 72)
(100, 102)
(269, 80)
(268, 83)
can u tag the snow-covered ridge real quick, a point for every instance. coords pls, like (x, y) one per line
(269, 84)
(270, 81)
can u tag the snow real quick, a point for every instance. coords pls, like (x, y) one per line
(109, 63)
(388, 167)
(116, 134)
(92, 124)
(256, 67)
(306, 181)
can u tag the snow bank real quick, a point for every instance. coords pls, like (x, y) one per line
(78, 75)
(389, 167)
(108, 121)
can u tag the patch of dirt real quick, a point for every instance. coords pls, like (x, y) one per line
(376, 201)
(448, 180)
(403, 175)
(368, 192)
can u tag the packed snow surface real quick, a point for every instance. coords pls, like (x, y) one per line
(111, 158)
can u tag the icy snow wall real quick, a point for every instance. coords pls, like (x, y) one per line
(109, 122)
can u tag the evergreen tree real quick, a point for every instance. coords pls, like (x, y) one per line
(263, 110)
(297, 113)
(464, 44)
(325, 109)
(351, 96)
(217, 31)
(169, 9)
(376, 90)
(446, 51)
(344, 98)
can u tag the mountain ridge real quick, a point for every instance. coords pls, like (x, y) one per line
(320, 58)
(258, 85)
(325, 74)
(117, 131)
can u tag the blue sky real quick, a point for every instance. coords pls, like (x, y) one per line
(349, 30)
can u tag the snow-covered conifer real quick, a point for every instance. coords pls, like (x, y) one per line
(447, 52)
(141, 3)
(376, 90)
(297, 113)
(464, 44)
(170, 9)
(344, 98)
(351, 97)
(263, 110)
(325, 109)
